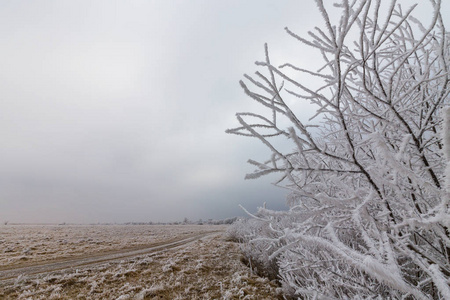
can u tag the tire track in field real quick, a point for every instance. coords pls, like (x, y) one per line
(90, 260)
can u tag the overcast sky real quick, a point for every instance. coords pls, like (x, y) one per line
(115, 111)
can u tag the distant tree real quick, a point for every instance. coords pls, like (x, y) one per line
(369, 201)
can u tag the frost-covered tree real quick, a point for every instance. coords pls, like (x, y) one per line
(369, 174)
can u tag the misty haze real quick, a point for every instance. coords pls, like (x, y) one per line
(225, 150)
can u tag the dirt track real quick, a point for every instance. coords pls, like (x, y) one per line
(175, 262)
(99, 258)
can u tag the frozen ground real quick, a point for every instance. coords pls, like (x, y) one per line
(209, 268)
(25, 244)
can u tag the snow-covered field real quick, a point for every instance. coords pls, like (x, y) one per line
(209, 268)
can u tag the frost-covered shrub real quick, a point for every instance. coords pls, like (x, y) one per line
(244, 230)
(236, 231)
(369, 202)
(255, 251)
(307, 269)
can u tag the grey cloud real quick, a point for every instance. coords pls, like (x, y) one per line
(116, 111)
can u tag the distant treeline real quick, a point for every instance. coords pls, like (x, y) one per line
(187, 222)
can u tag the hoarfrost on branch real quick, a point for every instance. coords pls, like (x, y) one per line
(370, 185)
